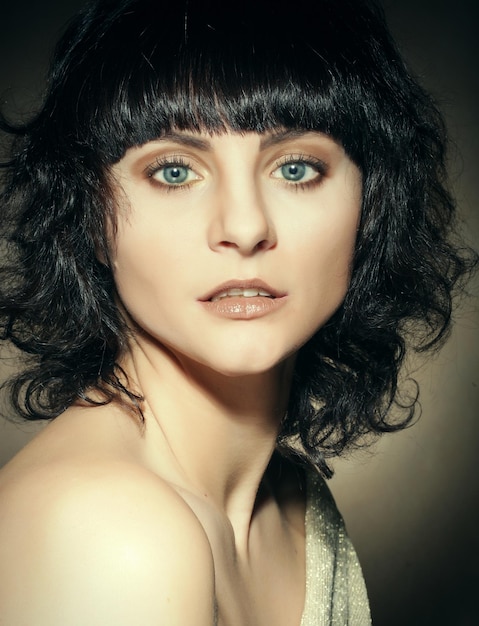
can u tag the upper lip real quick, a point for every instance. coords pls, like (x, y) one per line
(253, 283)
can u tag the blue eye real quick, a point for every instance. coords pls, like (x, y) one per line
(293, 172)
(175, 174)
(301, 171)
(172, 173)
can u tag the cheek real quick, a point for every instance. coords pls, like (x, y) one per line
(337, 248)
(329, 244)
(328, 252)
(139, 263)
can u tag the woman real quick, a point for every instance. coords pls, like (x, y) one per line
(223, 227)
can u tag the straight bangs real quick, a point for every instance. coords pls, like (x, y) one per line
(146, 69)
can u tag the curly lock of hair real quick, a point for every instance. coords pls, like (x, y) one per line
(124, 73)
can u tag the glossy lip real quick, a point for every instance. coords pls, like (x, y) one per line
(240, 307)
(254, 283)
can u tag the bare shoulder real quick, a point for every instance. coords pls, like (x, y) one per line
(107, 544)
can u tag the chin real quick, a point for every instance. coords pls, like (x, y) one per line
(250, 364)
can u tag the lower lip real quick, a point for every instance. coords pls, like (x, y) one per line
(241, 308)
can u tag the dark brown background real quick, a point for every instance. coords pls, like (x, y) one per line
(411, 502)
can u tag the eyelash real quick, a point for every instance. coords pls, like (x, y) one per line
(161, 163)
(318, 165)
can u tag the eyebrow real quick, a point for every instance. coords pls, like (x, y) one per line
(282, 135)
(267, 141)
(186, 140)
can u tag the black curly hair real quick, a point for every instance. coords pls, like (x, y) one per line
(126, 72)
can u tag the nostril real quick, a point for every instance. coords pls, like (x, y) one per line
(245, 230)
(265, 244)
(228, 244)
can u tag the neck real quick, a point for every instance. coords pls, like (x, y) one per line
(207, 433)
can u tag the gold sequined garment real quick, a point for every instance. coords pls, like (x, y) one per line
(335, 589)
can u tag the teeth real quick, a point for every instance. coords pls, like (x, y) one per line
(245, 293)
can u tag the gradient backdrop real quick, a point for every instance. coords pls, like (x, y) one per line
(411, 502)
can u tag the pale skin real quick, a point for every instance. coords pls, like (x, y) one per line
(190, 519)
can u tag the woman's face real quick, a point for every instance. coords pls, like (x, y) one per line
(233, 249)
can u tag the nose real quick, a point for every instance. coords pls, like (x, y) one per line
(241, 220)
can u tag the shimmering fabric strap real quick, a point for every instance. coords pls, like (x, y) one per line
(335, 589)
